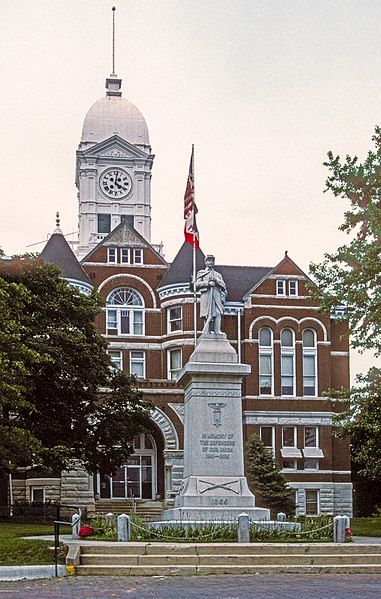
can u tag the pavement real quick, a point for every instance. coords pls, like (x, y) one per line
(263, 586)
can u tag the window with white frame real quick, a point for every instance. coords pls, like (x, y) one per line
(124, 312)
(309, 363)
(111, 255)
(289, 464)
(287, 340)
(266, 379)
(175, 319)
(124, 255)
(311, 436)
(281, 287)
(288, 436)
(293, 287)
(174, 360)
(116, 358)
(312, 502)
(267, 435)
(138, 364)
(311, 464)
(138, 255)
(37, 494)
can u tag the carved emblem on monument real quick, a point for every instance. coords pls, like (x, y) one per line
(213, 486)
(217, 407)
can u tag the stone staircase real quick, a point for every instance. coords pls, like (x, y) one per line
(149, 510)
(183, 559)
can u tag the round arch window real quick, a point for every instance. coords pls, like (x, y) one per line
(124, 312)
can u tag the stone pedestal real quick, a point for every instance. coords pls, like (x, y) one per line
(214, 486)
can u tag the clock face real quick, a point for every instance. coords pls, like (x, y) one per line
(115, 184)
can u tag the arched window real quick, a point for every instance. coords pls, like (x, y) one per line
(309, 362)
(266, 378)
(287, 340)
(124, 312)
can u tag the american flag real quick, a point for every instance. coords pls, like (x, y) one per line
(190, 209)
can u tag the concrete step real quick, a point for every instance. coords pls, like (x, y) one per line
(226, 560)
(145, 548)
(189, 570)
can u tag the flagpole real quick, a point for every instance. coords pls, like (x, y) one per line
(194, 264)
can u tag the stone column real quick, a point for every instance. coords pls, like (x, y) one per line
(214, 486)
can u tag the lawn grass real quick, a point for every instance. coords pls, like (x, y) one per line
(366, 527)
(15, 551)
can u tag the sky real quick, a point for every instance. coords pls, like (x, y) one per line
(263, 88)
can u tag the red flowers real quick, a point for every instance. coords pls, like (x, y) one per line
(85, 531)
(348, 532)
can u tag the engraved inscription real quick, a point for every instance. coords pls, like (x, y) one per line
(217, 446)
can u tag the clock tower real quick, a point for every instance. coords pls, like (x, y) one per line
(113, 169)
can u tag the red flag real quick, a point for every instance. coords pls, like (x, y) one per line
(190, 209)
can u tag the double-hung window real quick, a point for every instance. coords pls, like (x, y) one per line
(174, 359)
(266, 379)
(124, 312)
(267, 435)
(281, 287)
(124, 255)
(293, 287)
(289, 454)
(312, 502)
(175, 319)
(116, 358)
(287, 338)
(137, 364)
(112, 255)
(309, 363)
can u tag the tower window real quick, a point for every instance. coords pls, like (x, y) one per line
(129, 218)
(175, 319)
(137, 364)
(104, 223)
(174, 359)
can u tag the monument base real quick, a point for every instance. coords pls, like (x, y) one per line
(215, 498)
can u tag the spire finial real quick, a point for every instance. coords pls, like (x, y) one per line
(57, 229)
(113, 40)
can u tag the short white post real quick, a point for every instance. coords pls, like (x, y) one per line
(75, 526)
(124, 527)
(243, 528)
(339, 525)
(281, 517)
(110, 519)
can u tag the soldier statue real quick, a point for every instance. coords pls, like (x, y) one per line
(213, 294)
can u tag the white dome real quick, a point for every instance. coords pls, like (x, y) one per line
(115, 115)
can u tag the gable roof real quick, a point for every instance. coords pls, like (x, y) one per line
(239, 279)
(124, 234)
(285, 260)
(58, 252)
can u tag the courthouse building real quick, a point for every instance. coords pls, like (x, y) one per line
(295, 352)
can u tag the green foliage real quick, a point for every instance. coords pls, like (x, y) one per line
(269, 482)
(352, 275)
(366, 527)
(317, 529)
(362, 421)
(15, 551)
(60, 398)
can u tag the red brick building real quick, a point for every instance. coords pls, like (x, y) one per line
(295, 352)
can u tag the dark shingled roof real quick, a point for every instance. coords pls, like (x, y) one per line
(180, 270)
(239, 279)
(58, 252)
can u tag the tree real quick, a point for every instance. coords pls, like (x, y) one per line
(351, 277)
(60, 398)
(269, 482)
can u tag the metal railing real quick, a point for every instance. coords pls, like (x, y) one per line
(57, 524)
